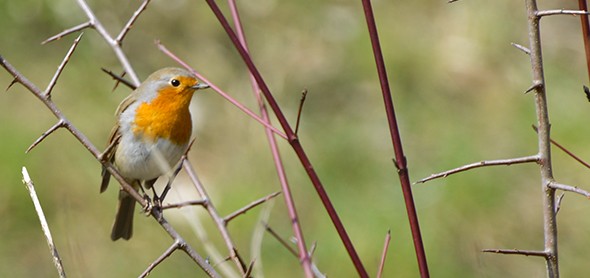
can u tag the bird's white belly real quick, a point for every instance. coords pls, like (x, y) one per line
(145, 160)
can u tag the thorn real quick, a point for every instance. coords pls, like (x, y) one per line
(587, 92)
(535, 86)
(521, 48)
(14, 81)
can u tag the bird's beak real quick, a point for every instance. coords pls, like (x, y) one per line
(200, 86)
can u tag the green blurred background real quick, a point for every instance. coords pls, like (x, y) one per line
(457, 85)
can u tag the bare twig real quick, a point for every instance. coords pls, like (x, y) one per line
(115, 44)
(250, 206)
(214, 214)
(59, 124)
(281, 240)
(68, 31)
(569, 188)
(44, 226)
(516, 252)
(585, 32)
(119, 79)
(301, 102)
(160, 259)
(401, 163)
(521, 48)
(61, 67)
(288, 197)
(294, 142)
(559, 12)
(384, 254)
(132, 20)
(510, 161)
(186, 204)
(568, 152)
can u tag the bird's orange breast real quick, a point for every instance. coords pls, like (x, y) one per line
(166, 116)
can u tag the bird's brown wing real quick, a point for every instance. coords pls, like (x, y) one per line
(114, 138)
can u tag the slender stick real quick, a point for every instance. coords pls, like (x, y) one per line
(44, 226)
(289, 201)
(132, 20)
(400, 158)
(293, 141)
(516, 252)
(585, 32)
(384, 254)
(560, 12)
(250, 206)
(61, 66)
(565, 187)
(545, 165)
(484, 163)
(160, 259)
(219, 221)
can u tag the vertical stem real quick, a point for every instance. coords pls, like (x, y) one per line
(400, 159)
(585, 32)
(549, 219)
(293, 141)
(272, 141)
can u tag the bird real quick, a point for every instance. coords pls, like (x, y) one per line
(152, 132)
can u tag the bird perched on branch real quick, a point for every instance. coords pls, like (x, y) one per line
(151, 135)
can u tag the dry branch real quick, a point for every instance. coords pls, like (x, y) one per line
(44, 226)
(516, 252)
(484, 163)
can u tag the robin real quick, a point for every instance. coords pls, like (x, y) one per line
(152, 133)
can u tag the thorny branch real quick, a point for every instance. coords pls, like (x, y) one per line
(63, 121)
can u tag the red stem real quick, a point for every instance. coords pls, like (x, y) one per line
(272, 141)
(293, 141)
(400, 159)
(585, 32)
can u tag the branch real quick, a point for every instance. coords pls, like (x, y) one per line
(250, 206)
(68, 31)
(160, 259)
(400, 158)
(510, 161)
(569, 188)
(59, 124)
(559, 12)
(568, 152)
(384, 254)
(293, 141)
(585, 32)
(44, 226)
(186, 204)
(132, 20)
(62, 66)
(516, 252)
(108, 166)
(304, 256)
(521, 48)
(219, 221)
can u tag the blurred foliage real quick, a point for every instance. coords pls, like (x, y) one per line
(458, 89)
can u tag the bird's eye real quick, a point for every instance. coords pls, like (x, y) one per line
(175, 82)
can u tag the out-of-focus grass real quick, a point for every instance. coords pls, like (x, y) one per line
(458, 88)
